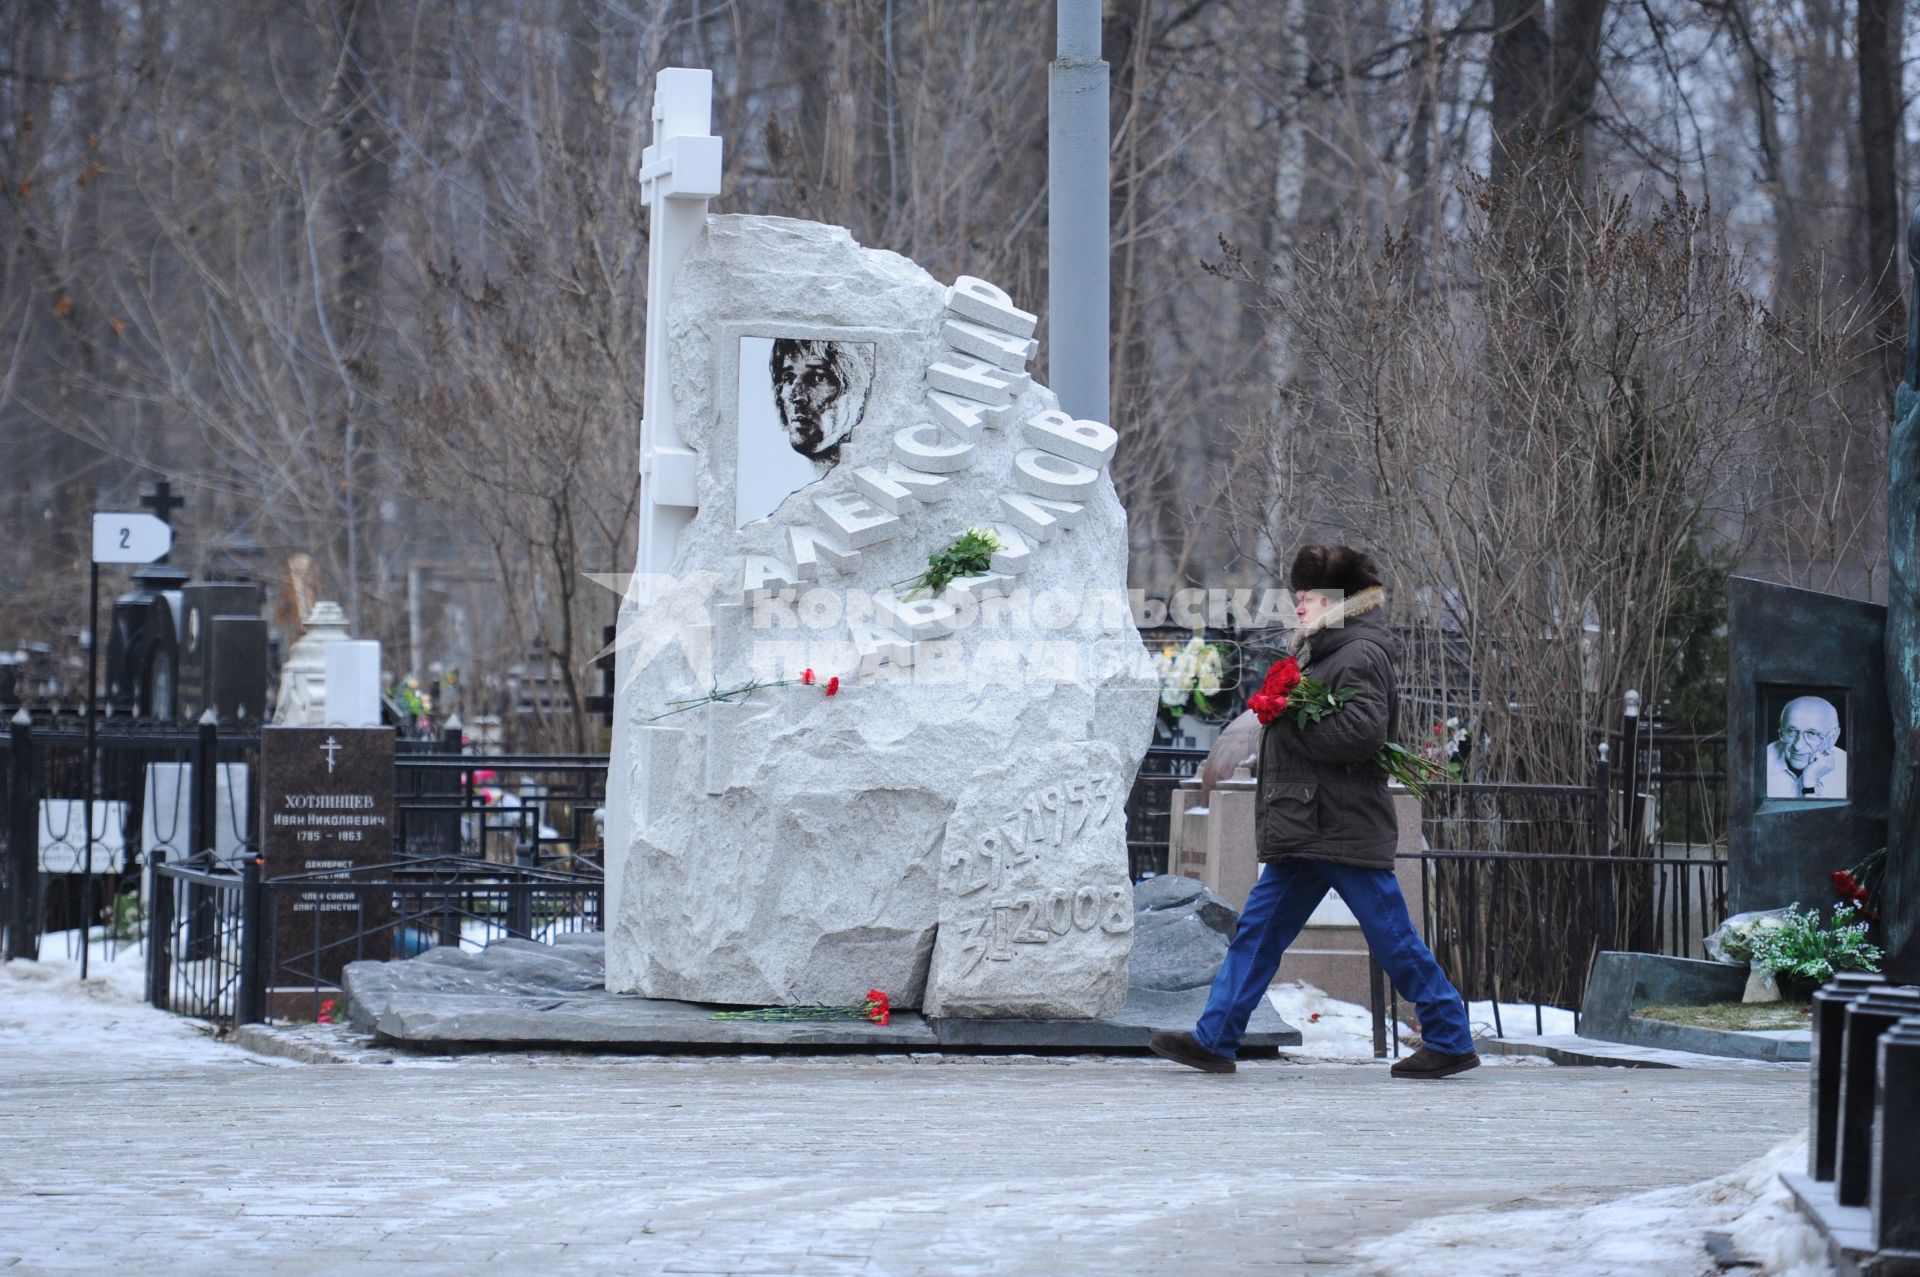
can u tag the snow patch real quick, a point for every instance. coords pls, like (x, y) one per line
(1656, 1234)
(52, 1021)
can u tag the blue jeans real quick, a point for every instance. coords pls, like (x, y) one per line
(1279, 906)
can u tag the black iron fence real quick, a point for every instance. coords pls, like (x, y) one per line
(156, 787)
(185, 801)
(1526, 926)
(232, 947)
(1150, 806)
(537, 811)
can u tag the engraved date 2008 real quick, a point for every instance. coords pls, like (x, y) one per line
(1042, 917)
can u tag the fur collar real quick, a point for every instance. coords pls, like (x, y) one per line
(1371, 599)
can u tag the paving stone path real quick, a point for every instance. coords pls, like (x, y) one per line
(894, 1167)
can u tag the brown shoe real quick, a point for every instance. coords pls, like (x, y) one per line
(1429, 1063)
(1182, 1049)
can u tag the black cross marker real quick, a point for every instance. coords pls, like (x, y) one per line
(162, 501)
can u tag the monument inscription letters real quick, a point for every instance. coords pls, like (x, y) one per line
(326, 796)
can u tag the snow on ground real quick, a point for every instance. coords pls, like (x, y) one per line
(1334, 1029)
(50, 1019)
(1651, 1234)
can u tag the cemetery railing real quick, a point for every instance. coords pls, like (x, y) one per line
(1150, 806)
(315, 924)
(199, 939)
(177, 789)
(534, 810)
(232, 947)
(1524, 927)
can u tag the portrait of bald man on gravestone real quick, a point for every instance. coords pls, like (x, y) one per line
(1804, 759)
(820, 389)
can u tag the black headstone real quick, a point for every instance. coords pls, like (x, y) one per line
(1829, 1025)
(1867, 1018)
(1896, 1154)
(1787, 645)
(237, 678)
(326, 796)
(200, 605)
(143, 656)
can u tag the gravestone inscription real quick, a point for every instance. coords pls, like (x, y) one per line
(326, 808)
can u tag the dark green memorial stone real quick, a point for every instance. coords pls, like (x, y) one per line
(1790, 652)
(1900, 890)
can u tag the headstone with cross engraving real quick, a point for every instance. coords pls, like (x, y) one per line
(326, 813)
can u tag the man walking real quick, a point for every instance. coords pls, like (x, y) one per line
(1323, 819)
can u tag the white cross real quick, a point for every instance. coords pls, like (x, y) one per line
(678, 174)
(331, 748)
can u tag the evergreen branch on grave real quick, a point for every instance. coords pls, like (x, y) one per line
(736, 695)
(970, 554)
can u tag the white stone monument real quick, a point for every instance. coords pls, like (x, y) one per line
(949, 825)
(352, 672)
(302, 699)
(167, 820)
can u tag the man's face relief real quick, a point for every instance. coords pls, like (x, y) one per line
(808, 383)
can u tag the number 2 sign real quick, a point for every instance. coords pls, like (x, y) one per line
(129, 538)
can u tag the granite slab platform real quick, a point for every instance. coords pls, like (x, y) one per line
(1622, 983)
(517, 993)
(1847, 1230)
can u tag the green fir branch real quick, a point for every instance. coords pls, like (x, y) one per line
(970, 554)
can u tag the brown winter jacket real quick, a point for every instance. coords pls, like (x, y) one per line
(1320, 794)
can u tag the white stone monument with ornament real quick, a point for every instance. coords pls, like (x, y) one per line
(302, 699)
(824, 779)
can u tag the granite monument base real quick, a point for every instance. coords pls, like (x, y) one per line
(523, 995)
(1624, 982)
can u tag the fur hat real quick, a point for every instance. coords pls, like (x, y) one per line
(1333, 567)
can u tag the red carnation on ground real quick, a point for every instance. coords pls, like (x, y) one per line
(879, 1005)
(833, 685)
(326, 1011)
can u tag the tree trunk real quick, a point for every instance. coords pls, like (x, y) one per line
(1878, 53)
(1900, 890)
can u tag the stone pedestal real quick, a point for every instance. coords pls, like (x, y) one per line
(1210, 837)
(1830, 1005)
(1867, 1018)
(1896, 1164)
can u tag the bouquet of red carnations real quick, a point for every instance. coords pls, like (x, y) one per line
(876, 1006)
(1285, 691)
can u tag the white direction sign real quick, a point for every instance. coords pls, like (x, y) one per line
(129, 538)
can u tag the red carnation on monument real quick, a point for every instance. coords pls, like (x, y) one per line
(879, 1007)
(833, 685)
(806, 676)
